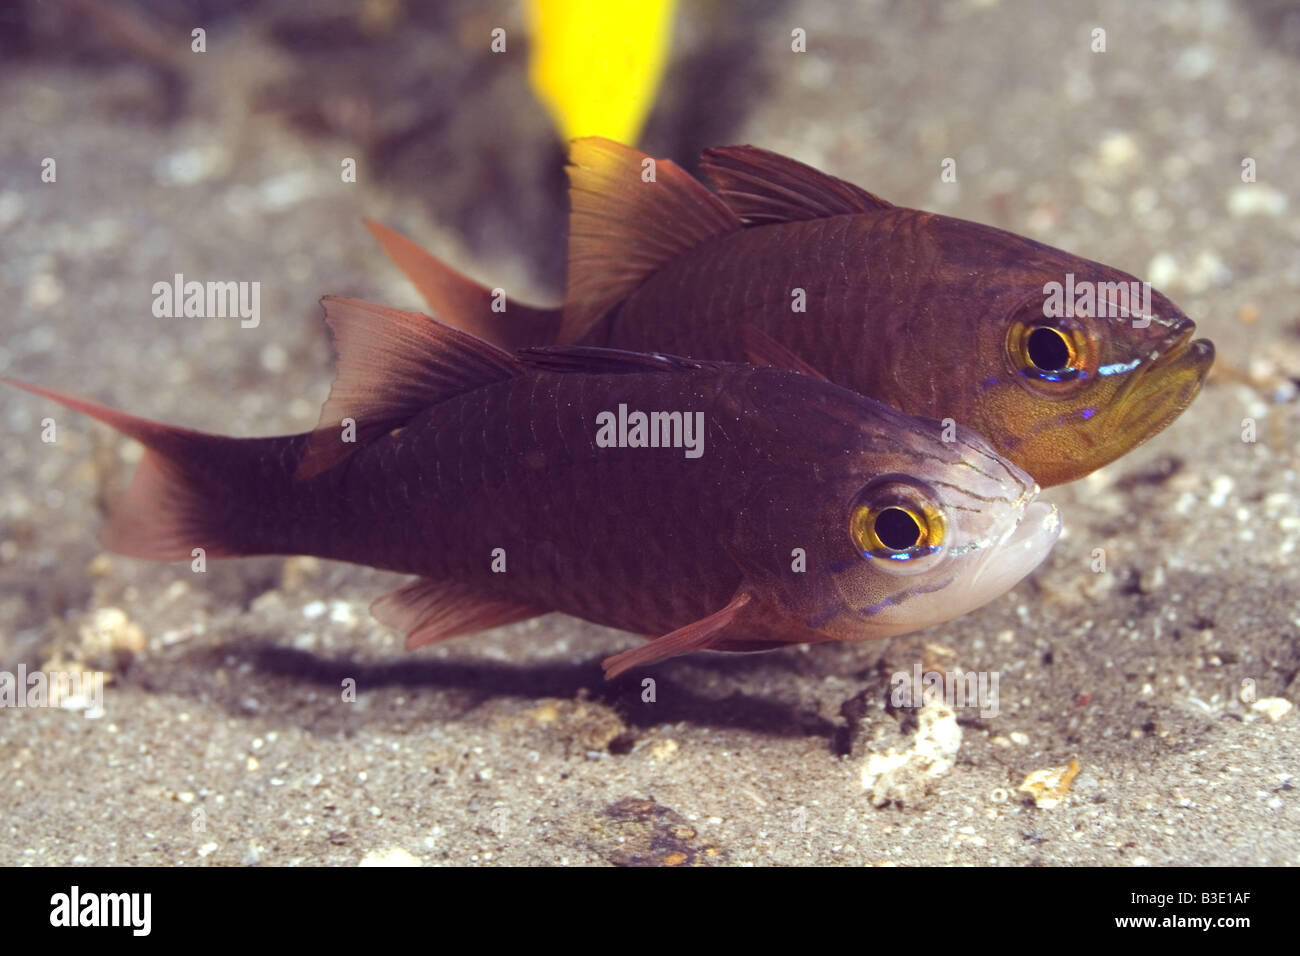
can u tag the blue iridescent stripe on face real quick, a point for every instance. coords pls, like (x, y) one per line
(1119, 367)
(895, 599)
(907, 555)
(842, 566)
(1069, 375)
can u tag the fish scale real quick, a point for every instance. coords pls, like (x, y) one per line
(593, 530)
(688, 304)
(356, 512)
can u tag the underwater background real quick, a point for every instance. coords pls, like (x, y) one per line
(227, 737)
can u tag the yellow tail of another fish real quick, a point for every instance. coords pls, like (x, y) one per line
(596, 64)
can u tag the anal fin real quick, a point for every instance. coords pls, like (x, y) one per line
(429, 611)
(696, 636)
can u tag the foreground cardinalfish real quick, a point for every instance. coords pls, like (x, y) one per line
(1062, 363)
(810, 513)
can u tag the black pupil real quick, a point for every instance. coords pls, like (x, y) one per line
(896, 529)
(1048, 350)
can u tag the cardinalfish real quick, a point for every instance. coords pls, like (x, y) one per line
(811, 514)
(937, 316)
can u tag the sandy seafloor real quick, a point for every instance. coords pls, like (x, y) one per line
(225, 739)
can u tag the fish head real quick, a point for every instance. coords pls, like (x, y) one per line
(1078, 362)
(1086, 388)
(899, 529)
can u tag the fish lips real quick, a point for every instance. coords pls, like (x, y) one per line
(1022, 548)
(1171, 379)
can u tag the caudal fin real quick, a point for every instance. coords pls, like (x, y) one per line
(464, 304)
(175, 501)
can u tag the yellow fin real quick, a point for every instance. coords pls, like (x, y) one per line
(596, 64)
(630, 215)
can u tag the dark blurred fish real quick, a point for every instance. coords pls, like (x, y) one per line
(937, 316)
(774, 508)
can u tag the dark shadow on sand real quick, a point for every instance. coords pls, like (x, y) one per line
(304, 688)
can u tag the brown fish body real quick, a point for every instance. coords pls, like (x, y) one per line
(515, 466)
(608, 534)
(898, 304)
(856, 324)
(512, 486)
(936, 316)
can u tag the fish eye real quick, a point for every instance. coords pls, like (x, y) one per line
(1050, 354)
(896, 521)
(1049, 350)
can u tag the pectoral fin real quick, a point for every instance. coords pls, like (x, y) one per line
(429, 611)
(696, 636)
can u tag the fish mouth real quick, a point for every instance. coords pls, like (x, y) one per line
(1179, 346)
(1167, 386)
(1157, 391)
(1020, 549)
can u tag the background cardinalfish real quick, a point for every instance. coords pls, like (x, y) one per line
(814, 513)
(937, 316)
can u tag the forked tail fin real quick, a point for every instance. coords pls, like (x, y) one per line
(192, 490)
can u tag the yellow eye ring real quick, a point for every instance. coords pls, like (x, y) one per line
(896, 528)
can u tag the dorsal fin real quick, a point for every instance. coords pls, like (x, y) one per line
(461, 302)
(765, 187)
(762, 349)
(583, 358)
(391, 365)
(622, 228)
